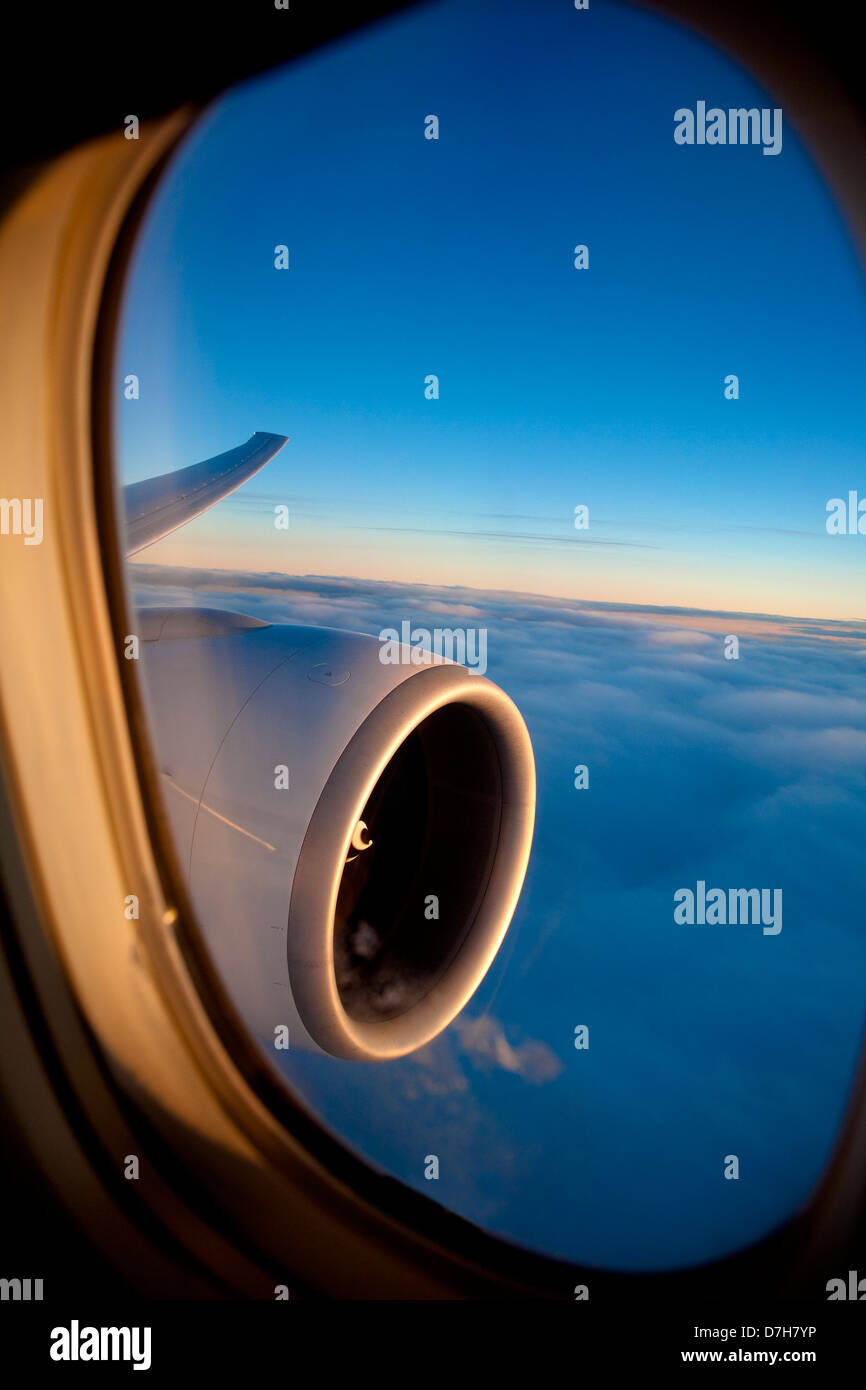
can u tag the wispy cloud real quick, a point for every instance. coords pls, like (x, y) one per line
(484, 1041)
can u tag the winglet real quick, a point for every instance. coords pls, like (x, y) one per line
(158, 506)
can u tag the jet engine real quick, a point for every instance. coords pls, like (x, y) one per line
(354, 833)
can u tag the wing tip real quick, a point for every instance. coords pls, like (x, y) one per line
(271, 434)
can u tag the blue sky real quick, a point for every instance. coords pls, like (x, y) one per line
(558, 387)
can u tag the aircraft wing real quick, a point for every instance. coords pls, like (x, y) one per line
(160, 505)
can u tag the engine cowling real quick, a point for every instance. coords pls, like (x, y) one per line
(355, 834)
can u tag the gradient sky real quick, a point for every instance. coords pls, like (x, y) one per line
(558, 387)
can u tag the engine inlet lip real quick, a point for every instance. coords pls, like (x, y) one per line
(313, 905)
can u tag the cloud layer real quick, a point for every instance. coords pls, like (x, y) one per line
(704, 1041)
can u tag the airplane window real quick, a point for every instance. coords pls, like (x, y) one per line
(488, 409)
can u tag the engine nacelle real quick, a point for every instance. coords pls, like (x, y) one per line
(355, 834)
